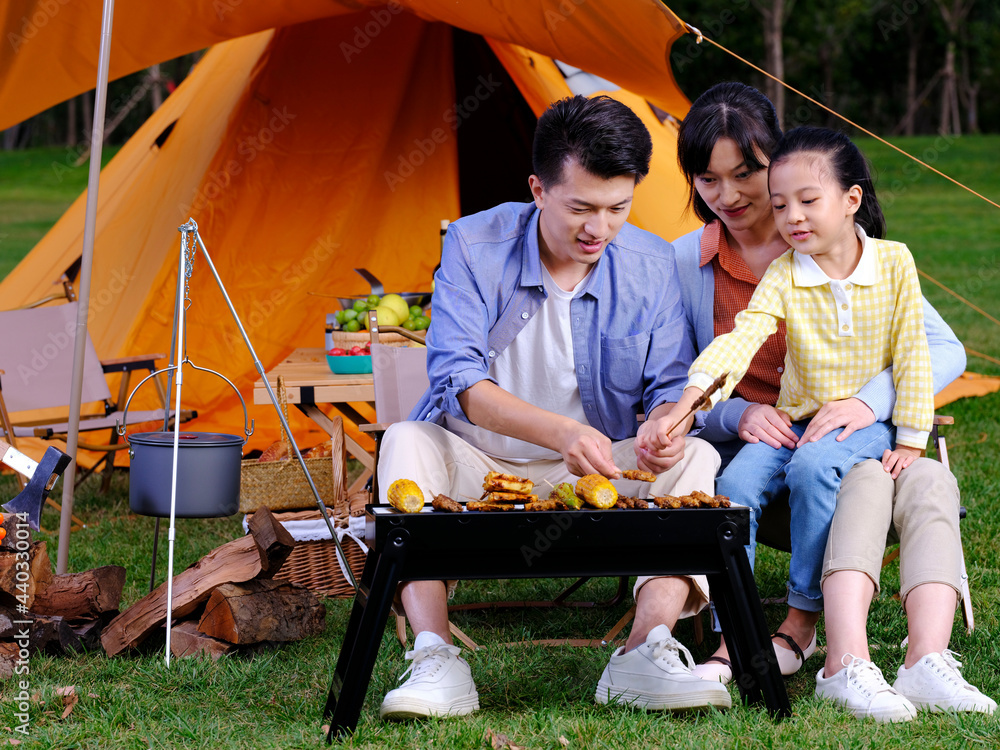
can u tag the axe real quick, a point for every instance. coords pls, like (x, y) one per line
(41, 476)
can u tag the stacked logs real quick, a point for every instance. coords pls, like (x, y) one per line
(44, 612)
(226, 601)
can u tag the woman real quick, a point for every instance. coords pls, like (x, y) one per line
(724, 147)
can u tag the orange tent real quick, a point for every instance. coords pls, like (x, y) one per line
(313, 138)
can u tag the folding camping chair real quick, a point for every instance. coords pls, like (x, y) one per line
(36, 353)
(400, 379)
(775, 522)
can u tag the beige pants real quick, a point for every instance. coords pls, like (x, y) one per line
(919, 510)
(441, 462)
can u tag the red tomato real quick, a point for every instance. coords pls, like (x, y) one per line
(355, 350)
(337, 352)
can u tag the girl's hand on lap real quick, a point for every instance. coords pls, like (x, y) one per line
(852, 414)
(764, 423)
(896, 460)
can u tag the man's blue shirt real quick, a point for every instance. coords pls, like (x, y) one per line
(631, 345)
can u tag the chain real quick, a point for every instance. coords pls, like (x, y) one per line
(189, 248)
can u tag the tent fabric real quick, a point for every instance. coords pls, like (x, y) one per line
(51, 46)
(301, 160)
(968, 385)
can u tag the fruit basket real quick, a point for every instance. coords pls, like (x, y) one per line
(337, 339)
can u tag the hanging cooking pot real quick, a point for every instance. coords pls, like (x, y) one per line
(208, 467)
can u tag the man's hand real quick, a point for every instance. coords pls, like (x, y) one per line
(896, 460)
(586, 451)
(764, 423)
(852, 414)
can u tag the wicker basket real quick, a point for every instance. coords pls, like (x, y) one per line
(282, 485)
(313, 564)
(346, 339)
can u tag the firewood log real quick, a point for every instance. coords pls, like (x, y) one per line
(187, 640)
(236, 561)
(262, 610)
(39, 571)
(82, 595)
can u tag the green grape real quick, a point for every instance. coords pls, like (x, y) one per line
(360, 305)
(421, 323)
(350, 315)
(352, 326)
(341, 318)
(409, 324)
(416, 311)
(373, 300)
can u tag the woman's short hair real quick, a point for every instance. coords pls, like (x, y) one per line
(727, 110)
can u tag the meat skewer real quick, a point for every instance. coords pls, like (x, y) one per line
(702, 400)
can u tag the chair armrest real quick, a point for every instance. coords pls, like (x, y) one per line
(375, 427)
(942, 419)
(127, 364)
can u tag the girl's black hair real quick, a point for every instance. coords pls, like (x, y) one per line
(847, 164)
(727, 110)
(604, 136)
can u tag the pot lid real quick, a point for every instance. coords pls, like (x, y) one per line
(186, 439)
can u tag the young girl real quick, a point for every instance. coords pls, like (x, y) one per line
(851, 305)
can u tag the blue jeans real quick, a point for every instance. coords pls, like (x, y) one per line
(811, 476)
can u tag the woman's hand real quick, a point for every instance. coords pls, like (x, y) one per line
(852, 414)
(762, 422)
(896, 460)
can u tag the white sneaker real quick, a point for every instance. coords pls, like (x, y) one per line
(936, 684)
(654, 676)
(440, 683)
(863, 691)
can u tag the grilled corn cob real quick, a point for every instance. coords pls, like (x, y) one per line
(597, 491)
(404, 495)
(565, 493)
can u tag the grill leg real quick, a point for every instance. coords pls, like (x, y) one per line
(737, 600)
(372, 604)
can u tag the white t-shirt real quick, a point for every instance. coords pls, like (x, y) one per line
(537, 367)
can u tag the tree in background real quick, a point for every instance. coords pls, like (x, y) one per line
(954, 14)
(131, 100)
(774, 13)
(877, 62)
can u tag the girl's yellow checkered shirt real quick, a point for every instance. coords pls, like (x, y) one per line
(840, 334)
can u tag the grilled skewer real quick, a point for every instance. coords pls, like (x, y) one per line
(703, 399)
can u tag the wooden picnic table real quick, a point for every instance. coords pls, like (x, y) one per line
(309, 382)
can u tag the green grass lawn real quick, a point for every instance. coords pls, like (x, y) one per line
(36, 187)
(539, 698)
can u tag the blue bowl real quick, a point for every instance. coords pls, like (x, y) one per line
(349, 364)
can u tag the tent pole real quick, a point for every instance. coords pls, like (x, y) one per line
(87, 260)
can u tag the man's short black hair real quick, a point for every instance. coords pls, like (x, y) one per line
(603, 135)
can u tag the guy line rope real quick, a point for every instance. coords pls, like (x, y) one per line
(699, 37)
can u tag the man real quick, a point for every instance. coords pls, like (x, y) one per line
(555, 324)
